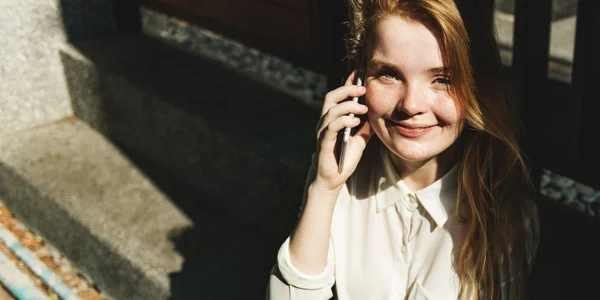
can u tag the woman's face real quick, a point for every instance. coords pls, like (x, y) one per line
(410, 108)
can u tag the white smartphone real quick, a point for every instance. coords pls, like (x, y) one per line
(360, 78)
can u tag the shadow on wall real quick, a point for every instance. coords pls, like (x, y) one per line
(86, 20)
(230, 153)
(567, 260)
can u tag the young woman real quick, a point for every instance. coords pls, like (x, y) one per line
(434, 201)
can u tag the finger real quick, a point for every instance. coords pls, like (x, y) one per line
(341, 94)
(331, 131)
(344, 108)
(351, 77)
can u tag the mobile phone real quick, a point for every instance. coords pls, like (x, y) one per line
(346, 132)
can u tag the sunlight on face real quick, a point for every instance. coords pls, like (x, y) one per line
(410, 108)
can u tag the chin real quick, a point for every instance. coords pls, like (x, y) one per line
(411, 153)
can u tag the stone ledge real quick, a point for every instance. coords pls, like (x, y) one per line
(76, 190)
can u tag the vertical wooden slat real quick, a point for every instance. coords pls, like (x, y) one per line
(127, 15)
(585, 68)
(530, 67)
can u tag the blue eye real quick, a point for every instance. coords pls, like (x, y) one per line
(444, 80)
(388, 75)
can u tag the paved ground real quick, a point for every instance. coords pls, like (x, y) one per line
(45, 253)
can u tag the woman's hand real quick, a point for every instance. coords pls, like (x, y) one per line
(334, 117)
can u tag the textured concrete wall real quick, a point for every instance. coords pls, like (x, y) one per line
(32, 88)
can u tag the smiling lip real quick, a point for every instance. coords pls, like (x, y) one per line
(411, 131)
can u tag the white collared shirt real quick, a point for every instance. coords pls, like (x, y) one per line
(387, 242)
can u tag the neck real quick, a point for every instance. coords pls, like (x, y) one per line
(420, 174)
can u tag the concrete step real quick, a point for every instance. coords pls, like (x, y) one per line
(123, 228)
(245, 146)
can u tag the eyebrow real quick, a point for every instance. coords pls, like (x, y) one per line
(387, 65)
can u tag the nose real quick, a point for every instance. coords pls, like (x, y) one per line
(413, 100)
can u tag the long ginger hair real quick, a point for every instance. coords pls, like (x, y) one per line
(495, 194)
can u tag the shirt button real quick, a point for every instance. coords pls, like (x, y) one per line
(412, 199)
(403, 249)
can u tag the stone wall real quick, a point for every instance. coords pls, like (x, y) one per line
(32, 88)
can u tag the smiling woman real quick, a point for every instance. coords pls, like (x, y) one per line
(435, 200)
(411, 109)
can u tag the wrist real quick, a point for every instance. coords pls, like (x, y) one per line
(320, 190)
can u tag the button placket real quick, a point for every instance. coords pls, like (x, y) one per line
(406, 207)
(407, 213)
(400, 269)
(412, 204)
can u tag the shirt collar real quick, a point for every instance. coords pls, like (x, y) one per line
(439, 198)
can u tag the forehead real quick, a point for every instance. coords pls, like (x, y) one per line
(405, 43)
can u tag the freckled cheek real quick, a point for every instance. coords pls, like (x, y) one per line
(378, 101)
(447, 111)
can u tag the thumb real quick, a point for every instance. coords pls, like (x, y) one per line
(363, 135)
(358, 143)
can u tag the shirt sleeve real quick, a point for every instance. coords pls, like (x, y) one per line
(288, 283)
